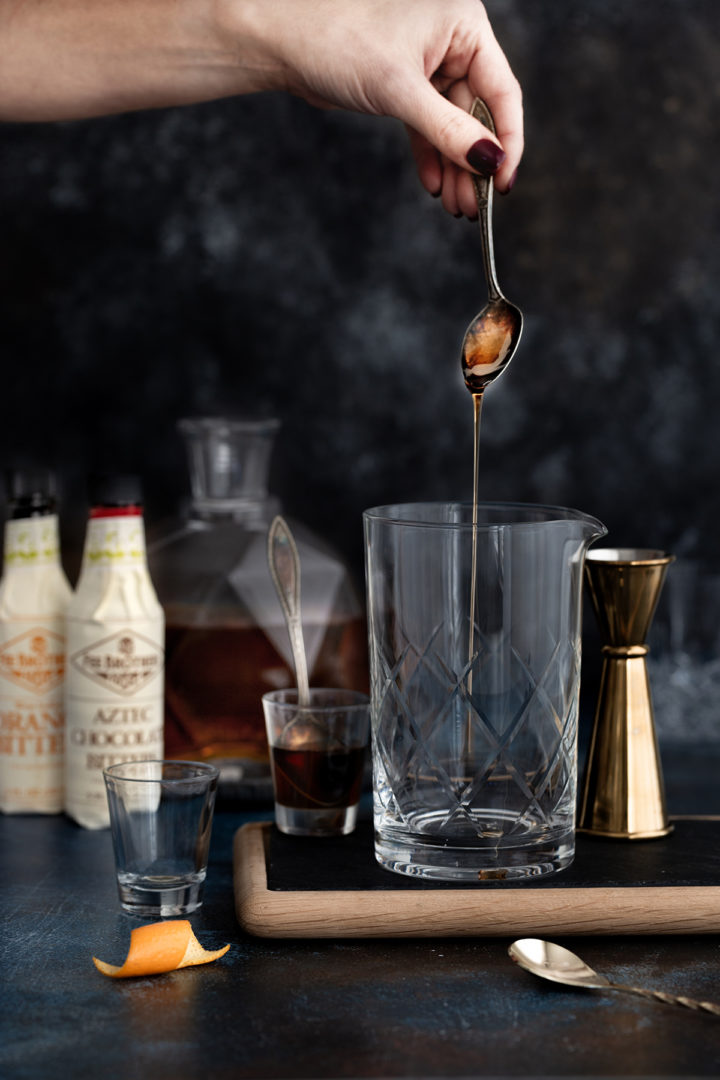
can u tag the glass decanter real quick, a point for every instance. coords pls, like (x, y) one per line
(226, 639)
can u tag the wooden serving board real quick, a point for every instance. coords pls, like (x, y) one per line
(323, 888)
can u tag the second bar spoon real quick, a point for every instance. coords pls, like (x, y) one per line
(558, 964)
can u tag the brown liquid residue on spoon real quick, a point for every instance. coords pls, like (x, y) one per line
(490, 342)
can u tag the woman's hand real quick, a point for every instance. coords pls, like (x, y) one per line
(422, 61)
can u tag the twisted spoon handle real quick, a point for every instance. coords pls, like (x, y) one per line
(483, 186)
(669, 999)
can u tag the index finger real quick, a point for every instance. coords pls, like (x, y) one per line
(490, 77)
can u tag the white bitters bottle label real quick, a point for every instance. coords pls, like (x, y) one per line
(34, 595)
(115, 662)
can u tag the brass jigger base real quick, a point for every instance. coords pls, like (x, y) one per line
(601, 835)
(623, 794)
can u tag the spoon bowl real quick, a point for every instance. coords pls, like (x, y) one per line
(490, 343)
(553, 962)
(493, 336)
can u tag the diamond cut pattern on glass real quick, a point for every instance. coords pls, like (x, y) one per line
(515, 729)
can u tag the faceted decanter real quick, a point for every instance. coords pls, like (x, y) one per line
(226, 639)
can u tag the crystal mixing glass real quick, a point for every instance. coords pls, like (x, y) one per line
(474, 721)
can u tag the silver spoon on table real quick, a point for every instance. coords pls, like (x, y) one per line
(558, 964)
(492, 337)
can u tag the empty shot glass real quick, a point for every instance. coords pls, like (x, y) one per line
(317, 756)
(161, 818)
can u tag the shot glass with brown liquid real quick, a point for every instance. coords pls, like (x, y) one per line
(317, 756)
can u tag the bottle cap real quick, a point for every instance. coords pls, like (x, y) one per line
(123, 490)
(32, 485)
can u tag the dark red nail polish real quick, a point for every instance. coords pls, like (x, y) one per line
(458, 215)
(485, 157)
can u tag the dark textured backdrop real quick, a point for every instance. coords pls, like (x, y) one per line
(261, 257)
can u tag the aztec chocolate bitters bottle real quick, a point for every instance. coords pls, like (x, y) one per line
(115, 652)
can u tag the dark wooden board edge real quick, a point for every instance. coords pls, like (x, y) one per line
(521, 912)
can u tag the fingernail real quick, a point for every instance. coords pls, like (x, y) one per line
(458, 215)
(485, 157)
(436, 194)
(510, 184)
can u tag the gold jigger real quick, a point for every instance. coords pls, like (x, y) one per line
(623, 794)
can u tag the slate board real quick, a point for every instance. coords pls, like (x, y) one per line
(332, 887)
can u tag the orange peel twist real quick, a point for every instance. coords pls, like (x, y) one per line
(160, 947)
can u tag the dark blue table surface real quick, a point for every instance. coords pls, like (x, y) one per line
(426, 1007)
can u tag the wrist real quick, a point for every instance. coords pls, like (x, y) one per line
(246, 31)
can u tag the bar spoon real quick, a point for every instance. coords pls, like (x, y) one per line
(284, 563)
(305, 729)
(558, 964)
(492, 337)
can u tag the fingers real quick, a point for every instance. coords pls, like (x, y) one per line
(490, 77)
(464, 192)
(427, 162)
(463, 142)
(451, 130)
(442, 178)
(445, 121)
(461, 94)
(448, 143)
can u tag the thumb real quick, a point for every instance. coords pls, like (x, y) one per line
(452, 131)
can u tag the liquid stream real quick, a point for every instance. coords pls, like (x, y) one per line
(477, 398)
